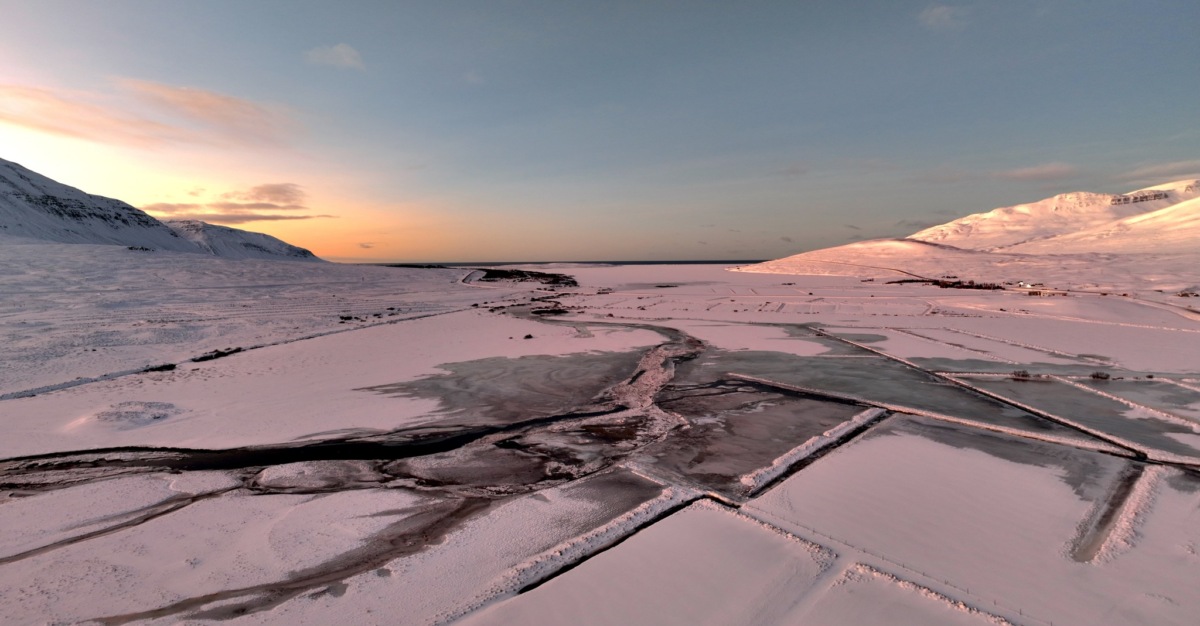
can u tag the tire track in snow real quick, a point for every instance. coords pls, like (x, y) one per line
(140, 516)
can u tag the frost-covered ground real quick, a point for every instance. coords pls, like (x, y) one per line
(193, 439)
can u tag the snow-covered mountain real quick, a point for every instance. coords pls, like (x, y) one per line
(891, 258)
(232, 243)
(1146, 240)
(1064, 214)
(1174, 229)
(34, 207)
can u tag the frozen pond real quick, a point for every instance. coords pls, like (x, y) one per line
(1171, 398)
(1154, 434)
(875, 379)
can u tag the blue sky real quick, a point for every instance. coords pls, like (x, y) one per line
(596, 130)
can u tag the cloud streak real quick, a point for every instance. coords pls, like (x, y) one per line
(1039, 173)
(144, 114)
(226, 219)
(1045, 172)
(226, 115)
(1154, 173)
(278, 193)
(338, 55)
(943, 17)
(261, 203)
(72, 115)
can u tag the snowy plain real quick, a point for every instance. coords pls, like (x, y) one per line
(661, 443)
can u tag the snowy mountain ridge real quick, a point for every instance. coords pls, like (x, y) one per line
(1148, 239)
(35, 208)
(1063, 214)
(1175, 228)
(233, 243)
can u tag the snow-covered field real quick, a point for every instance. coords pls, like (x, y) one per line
(189, 438)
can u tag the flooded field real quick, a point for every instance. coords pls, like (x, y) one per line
(1154, 434)
(1169, 397)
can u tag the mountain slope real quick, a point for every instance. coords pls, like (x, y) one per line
(1174, 229)
(1073, 241)
(879, 258)
(36, 207)
(233, 243)
(1059, 215)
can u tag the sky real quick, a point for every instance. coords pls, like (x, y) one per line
(553, 131)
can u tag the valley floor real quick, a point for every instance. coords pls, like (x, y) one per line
(277, 443)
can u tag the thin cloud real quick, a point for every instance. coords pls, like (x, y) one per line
(338, 55)
(366, 245)
(171, 208)
(1163, 172)
(240, 218)
(786, 239)
(255, 206)
(258, 203)
(852, 226)
(229, 116)
(943, 17)
(73, 115)
(187, 115)
(1039, 173)
(278, 193)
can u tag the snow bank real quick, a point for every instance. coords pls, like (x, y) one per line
(702, 565)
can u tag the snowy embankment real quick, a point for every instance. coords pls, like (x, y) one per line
(704, 564)
(758, 479)
(538, 569)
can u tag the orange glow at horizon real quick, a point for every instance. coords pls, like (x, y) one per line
(331, 217)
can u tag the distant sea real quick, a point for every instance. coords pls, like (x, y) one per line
(501, 263)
